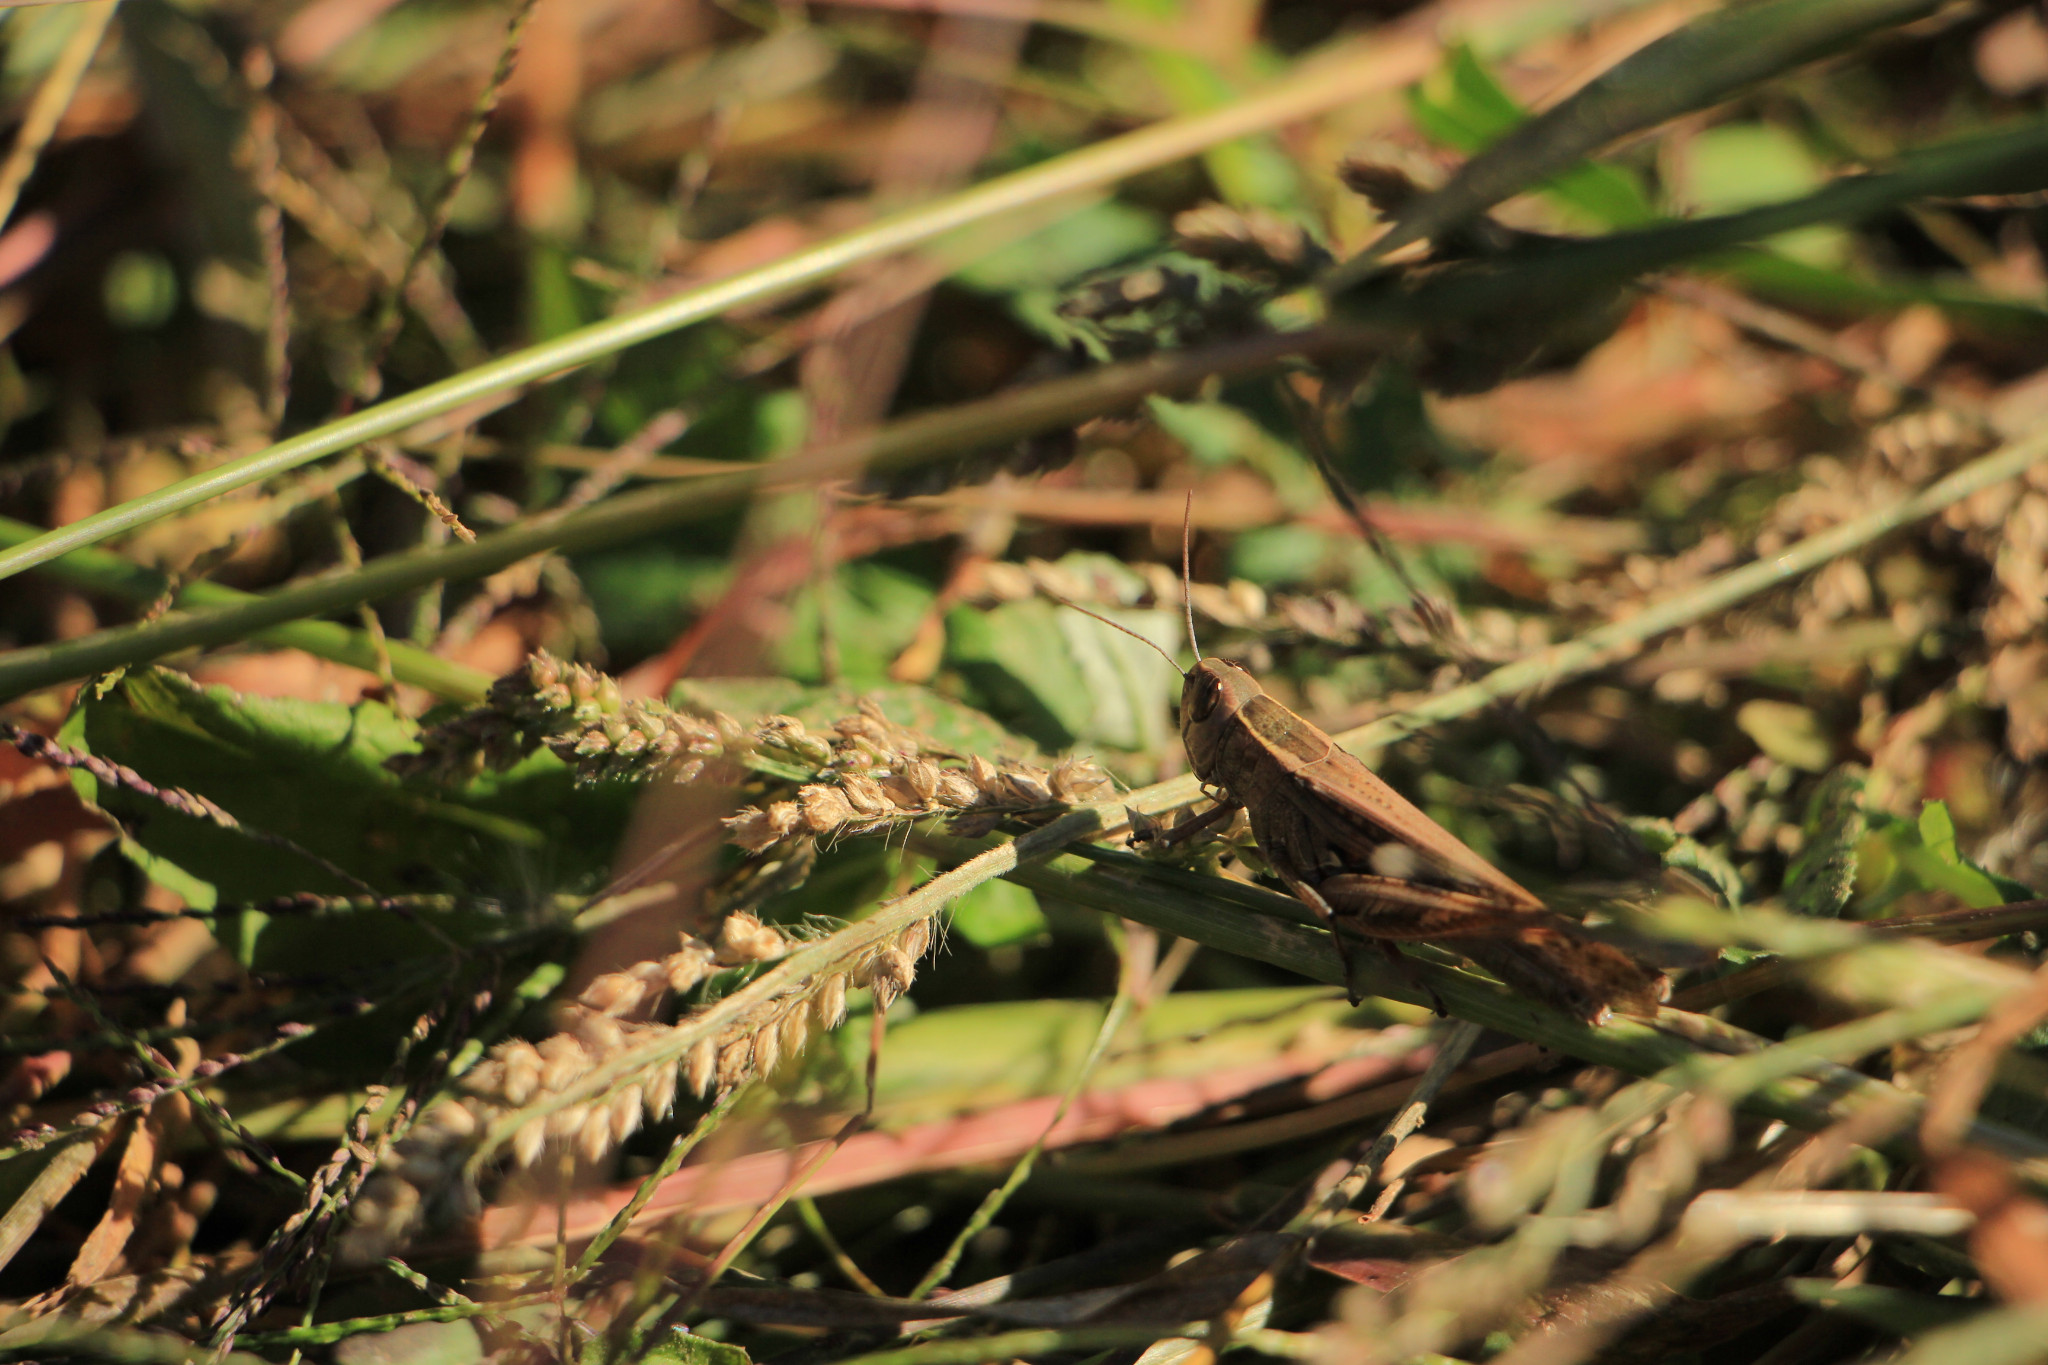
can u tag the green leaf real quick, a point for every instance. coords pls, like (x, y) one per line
(1938, 832)
(874, 612)
(970, 1058)
(312, 773)
(1465, 107)
(1742, 165)
(1061, 678)
(1091, 238)
(997, 914)
(1902, 857)
(1787, 732)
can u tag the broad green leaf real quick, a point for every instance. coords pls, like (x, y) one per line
(965, 1058)
(312, 773)
(1938, 832)
(997, 914)
(1062, 679)
(1741, 165)
(1898, 857)
(1092, 238)
(958, 727)
(874, 613)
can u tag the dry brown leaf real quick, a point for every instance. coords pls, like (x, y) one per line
(132, 1183)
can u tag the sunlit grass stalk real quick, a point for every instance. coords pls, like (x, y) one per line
(913, 441)
(1606, 645)
(104, 572)
(1452, 1049)
(1346, 73)
(1778, 1081)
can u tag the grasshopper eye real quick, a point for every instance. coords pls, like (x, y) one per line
(1202, 697)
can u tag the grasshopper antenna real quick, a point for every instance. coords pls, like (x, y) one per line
(1187, 554)
(1125, 629)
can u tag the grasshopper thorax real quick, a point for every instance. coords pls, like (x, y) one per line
(1210, 700)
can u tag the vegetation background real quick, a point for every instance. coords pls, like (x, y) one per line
(552, 812)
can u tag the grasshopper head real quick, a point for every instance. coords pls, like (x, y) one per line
(1209, 701)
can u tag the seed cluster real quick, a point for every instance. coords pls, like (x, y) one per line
(875, 772)
(579, 714)
(424, 1180)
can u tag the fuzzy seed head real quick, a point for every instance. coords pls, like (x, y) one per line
(568, 1121)
(893, 972)
(702, 1062)
(528, 1141)
(956, 790)
(735, 1062)
(625, 1107)
(594, 1139)
(521, 1077)
(687, 967)
(796, 1031)
(830, 1001)
(562, 1061)
(767, 1047)
(866, 795)
(916, 939)
(742, 939)
(825, 808)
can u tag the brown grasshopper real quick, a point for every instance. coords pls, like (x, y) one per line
(1370, 863)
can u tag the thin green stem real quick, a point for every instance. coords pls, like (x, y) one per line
(1345, 74)
(670, 1164)
(52, 98)
(992, 1203)
(807, 1210)
(326, 1333)
(104, 572)
(1450, 1055)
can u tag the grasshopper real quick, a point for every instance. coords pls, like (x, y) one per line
(1369, 862)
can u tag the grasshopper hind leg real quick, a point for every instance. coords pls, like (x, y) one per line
(1313, 898)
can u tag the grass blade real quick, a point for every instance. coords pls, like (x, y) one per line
(1346, 75)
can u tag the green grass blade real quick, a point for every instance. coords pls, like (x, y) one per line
(916, 440)
(1348, 74)
(2013, 159)
(1701, 64)
(102, 572)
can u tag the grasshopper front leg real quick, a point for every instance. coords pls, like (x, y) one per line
(1218, 814)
